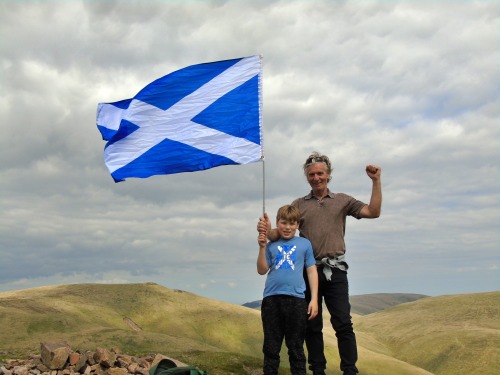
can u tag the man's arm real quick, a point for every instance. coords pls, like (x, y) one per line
(312, 277)
(373, 209)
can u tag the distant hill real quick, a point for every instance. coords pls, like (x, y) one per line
(445, 335)
(367, 303)
(254, 304)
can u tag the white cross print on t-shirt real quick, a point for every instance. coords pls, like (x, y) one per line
(286, 257)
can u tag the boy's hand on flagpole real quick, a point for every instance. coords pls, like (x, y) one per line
(262, 239)
(264, 224)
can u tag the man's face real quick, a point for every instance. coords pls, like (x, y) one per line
(317, 176)
(287, 228)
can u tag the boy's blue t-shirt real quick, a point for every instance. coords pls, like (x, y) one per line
(286, 260)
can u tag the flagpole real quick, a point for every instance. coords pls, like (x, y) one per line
(262, 140)
(263, 187)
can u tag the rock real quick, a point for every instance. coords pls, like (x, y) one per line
(57, 358)
(97, 369)
(90, 358)
(20, 370)
(117, 371)
(81, 364)
(104, 357)
(132, 368)
(55, 354)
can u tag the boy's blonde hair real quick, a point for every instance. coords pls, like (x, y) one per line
(289, 213)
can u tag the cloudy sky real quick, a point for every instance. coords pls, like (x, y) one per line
(412, 86)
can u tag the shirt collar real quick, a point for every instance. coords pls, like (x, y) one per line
(311, 195)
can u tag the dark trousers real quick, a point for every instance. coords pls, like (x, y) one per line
(284, 317)
(336, 295)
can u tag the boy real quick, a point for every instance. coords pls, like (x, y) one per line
(284, 308)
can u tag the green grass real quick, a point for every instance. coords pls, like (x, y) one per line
(173, 323)
(445, 335)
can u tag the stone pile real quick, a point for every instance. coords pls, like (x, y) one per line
(57, 358)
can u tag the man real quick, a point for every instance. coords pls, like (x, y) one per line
(322, 221)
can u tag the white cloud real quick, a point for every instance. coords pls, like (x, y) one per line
(411, 86)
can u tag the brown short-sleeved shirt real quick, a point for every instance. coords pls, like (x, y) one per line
(323, 221)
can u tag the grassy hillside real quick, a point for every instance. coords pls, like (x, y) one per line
(443, 335)
(180, 324)
(447, 335)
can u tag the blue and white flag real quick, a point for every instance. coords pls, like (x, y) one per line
(196, 118)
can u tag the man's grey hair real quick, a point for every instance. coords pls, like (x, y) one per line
(316, 157)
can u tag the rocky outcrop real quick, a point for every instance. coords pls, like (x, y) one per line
(57, 358)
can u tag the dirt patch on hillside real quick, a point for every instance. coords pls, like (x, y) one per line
(133, 325)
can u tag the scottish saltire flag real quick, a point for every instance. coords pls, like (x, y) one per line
(196, 118)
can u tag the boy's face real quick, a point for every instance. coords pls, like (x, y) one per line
(287, 228)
